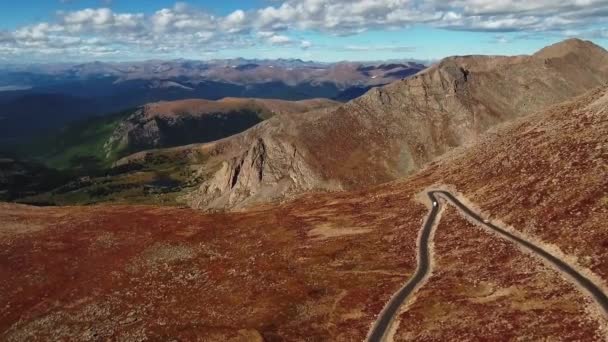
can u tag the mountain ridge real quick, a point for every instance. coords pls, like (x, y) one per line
(394, 130)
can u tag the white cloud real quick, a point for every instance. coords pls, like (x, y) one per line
(341, 16)
(181, 18)
(101, 16)
(279, 39)
(186, 28)
(520, 15)
(100, 19)
(235, 22)
(351, 16)
(305, 44)
(236, 18)
(37, 32)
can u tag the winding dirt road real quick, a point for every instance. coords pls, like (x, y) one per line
(387, 316)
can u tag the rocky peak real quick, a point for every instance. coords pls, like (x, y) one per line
(574, 46)
(253, 175)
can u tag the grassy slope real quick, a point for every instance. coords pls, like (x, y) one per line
(79, 150)
(78, 146)
(159, 179)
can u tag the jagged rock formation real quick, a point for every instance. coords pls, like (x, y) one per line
(394, 130)
(263, 162)
(267, 166)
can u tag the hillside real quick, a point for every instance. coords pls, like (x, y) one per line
(544, 177)
(323, 266)
(30, 113)
(394, 130)
(79, 146)
(168, 124)
(85, 154)
(102, 140)
(20, 179)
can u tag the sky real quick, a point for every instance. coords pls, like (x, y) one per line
(34, 31)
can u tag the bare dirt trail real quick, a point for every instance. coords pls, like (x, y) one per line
(383, 323)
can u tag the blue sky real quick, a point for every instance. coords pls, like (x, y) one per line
(323, 30)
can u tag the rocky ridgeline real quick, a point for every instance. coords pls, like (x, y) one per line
(394, 130)
(178, 123)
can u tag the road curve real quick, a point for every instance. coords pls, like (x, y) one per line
(381, 326)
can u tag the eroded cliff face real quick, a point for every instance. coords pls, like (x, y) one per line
(395, 130)
(257, 166)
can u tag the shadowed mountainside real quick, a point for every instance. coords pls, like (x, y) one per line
(168, 124)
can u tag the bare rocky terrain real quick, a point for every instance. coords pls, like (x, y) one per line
(392, 131)
(321, 267)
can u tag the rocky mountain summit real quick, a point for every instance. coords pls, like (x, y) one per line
(393, 130)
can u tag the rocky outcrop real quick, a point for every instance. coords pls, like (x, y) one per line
(268, 169)
(394, 130)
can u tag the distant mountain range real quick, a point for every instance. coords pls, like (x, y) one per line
(45, 97)
(238, 71)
